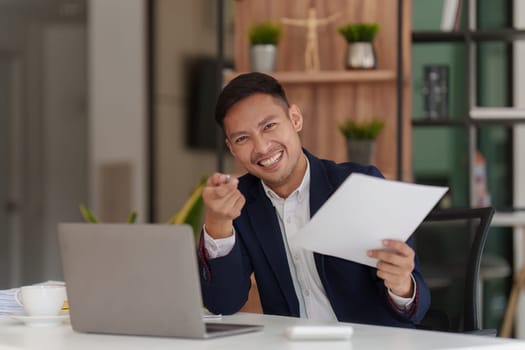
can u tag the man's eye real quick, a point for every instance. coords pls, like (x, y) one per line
(269, 126)
(240, 139)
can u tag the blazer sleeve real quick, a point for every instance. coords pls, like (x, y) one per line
(225, 281)
(422, 300)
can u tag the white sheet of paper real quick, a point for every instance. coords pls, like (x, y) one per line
(362, 212)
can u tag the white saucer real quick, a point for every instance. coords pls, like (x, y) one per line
(40, 321)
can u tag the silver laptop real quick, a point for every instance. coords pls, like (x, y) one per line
(138, 279)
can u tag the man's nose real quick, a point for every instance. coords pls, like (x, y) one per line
(261, 144)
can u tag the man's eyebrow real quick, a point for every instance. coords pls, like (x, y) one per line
(261, 124)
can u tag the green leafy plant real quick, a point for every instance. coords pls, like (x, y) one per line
(90, 217)
(359, 32)
(190, 213)
(365, 130)
(264, 33)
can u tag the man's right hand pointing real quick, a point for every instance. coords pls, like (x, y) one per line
(223, 203)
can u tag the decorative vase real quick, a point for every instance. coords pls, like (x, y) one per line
(361, 55)
(361, 151)
(263, 58)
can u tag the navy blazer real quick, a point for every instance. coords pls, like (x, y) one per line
(354, 291)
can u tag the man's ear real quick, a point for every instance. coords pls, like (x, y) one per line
(296, 117)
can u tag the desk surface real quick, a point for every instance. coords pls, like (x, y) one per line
(17, 336)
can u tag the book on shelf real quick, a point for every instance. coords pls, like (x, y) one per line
(451, 15)
(497, 113)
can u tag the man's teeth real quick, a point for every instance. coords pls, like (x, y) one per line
(272, 160)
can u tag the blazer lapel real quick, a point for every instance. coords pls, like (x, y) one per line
(320, 190)
(265, 224)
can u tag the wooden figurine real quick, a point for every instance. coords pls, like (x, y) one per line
(311, 54)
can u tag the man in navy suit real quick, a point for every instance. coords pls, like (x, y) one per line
(249, 221)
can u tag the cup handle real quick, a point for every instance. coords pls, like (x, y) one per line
(18, 297)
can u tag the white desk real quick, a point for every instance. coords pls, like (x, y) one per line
(17, 336)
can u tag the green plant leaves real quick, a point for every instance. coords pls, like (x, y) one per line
(264, 33)
(190, 213)
(365, 130)
(88, 214)
(359, 32)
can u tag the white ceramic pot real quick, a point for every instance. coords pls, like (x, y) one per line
(263, 58)
(361, 55)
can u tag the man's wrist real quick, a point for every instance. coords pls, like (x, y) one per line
(405, 292)
(404, 303)
(219, 229)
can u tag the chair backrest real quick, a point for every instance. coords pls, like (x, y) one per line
(449, 244)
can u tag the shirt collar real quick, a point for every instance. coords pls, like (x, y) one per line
(301, 191)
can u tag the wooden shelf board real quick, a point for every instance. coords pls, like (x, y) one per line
(300, 77)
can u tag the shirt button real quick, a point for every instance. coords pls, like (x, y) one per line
(289, 220)
(307, 293)
(296, 257)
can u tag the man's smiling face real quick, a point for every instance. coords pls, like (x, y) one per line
(262, 134)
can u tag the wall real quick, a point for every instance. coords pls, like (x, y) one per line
(65, 166)
(44, 163)
(13, 31)
(183, 31)
(6, 107)
(117, 105)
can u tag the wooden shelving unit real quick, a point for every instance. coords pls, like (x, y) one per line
(333, 94)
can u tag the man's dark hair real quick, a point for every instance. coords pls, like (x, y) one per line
(244, 86)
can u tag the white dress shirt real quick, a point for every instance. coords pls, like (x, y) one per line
(293, 213)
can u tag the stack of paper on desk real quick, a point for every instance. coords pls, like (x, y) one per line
(362, 212)
(8, 302)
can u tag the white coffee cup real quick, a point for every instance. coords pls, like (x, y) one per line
(41, 300)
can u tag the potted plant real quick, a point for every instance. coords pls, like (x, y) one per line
(264, 37)
(360, 53)
(191, 212)
(360, 137)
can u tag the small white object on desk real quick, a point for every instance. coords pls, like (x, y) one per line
(315, 332)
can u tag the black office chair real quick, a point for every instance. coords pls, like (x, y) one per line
(449, 244)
